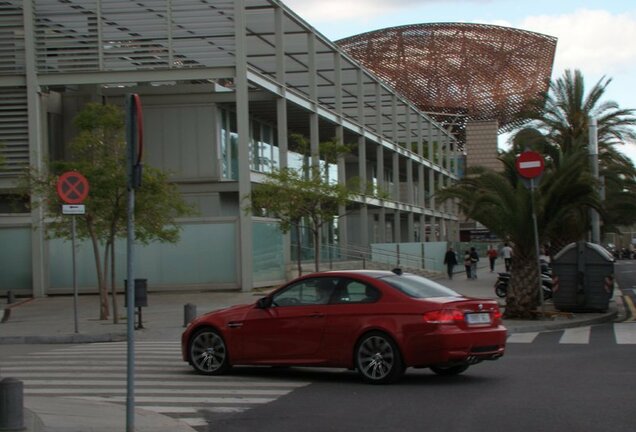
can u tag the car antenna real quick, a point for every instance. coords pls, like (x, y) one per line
(397, 271)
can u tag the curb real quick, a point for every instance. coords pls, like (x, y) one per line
(560, 324)
(64, 339)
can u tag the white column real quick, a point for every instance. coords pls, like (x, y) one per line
(37, 155)
(243, 126)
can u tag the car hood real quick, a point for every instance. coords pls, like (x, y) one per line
(235, 310)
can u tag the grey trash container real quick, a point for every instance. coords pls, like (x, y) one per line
(583, 278)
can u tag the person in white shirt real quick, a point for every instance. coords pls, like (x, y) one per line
(506, 253)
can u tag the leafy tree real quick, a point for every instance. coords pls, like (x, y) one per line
(294, 196)
(99, 153)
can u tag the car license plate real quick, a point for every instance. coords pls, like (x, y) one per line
(478, 318)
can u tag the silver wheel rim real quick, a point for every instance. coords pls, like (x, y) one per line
(208, 352)
(376, 357)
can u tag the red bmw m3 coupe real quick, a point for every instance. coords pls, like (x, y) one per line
(377, 322)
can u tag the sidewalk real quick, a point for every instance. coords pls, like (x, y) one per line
(51, 320)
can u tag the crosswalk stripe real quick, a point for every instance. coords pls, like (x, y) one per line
(164, 385)
(189, 410)
(194, 422)
(625, 333)
(184, 400)
(164, 382)
(522, 337)
(146, 391)
(577, 335)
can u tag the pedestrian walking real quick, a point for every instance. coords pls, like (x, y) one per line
(467, 264)
(450, 259)
(474, 259)
(506, 252)
(492, 256)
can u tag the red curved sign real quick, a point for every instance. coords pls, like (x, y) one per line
(530, 164)
(72, 187)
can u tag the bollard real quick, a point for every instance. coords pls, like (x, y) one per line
(10, 297)
(189, 312)
(11, 405)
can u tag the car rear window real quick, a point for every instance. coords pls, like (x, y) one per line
(419, 287)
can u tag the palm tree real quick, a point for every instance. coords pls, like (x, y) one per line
(503, 203)
(562, 116)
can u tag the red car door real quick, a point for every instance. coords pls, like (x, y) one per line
(292, 329)
(282, 333)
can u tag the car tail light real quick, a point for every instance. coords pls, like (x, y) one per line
(496, 316)
(444, 316)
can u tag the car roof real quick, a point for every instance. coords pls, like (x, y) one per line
(376, 274)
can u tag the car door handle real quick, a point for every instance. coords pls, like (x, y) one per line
(316, 315)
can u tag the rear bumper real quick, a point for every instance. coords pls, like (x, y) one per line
(451, 346)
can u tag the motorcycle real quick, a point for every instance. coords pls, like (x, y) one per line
(503, 279)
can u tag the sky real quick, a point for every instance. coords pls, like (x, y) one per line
(597, 37)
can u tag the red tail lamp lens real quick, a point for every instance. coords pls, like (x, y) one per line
(444, 316)
(496, 316)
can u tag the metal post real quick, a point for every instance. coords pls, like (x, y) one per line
(189, 313)
(593, 151)
(130, 292)
(536, 245)
(11, 405)
(73, 234)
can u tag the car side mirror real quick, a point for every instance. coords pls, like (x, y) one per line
(264, 303)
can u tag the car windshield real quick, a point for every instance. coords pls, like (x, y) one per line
(419, 287)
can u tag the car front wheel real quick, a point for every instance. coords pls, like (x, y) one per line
(378, 359)
(208, 353)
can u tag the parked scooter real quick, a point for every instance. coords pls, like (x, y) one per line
(501, 285)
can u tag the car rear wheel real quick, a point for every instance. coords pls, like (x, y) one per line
(378, 359)
(449, 370)
(208, 353)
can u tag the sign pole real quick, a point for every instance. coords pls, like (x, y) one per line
(134, 138)
(74, 274)
(536, 244)
(72, 188)
(530, 166)
(130, 285)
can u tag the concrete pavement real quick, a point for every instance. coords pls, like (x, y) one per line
(51, 320)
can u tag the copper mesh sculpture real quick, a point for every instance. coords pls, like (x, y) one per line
(455, 70)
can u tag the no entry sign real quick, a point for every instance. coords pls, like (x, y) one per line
(530, 164)
(72, 187)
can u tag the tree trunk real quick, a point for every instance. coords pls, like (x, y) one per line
(101, 282)
(316, 233)
(298, 251)
(113, 283)
(523, 292)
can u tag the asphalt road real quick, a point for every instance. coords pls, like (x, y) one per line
(539, 386)
(543, 385)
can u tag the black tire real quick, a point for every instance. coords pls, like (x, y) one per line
(501, 290)
(378, 359)
(449, 370)
(208, 352)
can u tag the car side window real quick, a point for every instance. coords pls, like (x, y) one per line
(351, 291)
(314, 291)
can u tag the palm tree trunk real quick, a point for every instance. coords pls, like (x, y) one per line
(523, 293)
